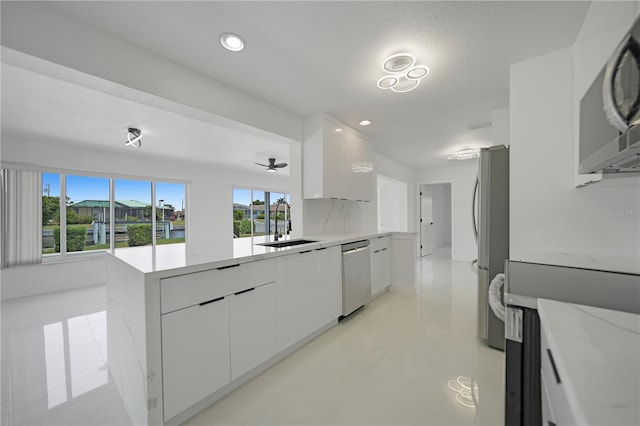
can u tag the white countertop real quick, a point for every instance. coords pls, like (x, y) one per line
(163, 260)
(597, 353)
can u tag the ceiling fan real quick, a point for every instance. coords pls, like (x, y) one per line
(272, 166)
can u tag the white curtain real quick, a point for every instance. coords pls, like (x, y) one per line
(20, 223)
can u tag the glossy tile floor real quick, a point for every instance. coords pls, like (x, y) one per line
(404, 360)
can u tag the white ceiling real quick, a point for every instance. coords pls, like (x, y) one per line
(325, 56)
(48, 108)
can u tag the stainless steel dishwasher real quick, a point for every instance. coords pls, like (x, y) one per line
(356, 276)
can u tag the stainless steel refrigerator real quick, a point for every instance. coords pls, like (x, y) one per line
(491, 224)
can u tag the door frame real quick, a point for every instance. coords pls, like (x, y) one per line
(419, 212)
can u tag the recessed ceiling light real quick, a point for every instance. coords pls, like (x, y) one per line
(405, 85)
(338, 130)
(465, 154)
(387, 82)
(365, 122)
(418, 72)
(232, 42)
(398, 62)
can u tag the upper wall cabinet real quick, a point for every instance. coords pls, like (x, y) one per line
(336, 163)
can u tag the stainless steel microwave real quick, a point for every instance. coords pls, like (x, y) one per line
(610, 112)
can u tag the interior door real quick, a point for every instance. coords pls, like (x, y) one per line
(426, 222)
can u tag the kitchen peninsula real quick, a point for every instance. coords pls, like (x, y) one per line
(184, 332)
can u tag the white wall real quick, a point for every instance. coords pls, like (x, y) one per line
(210, 222)
(551, 220)
(391, 169)
(391, 204)
(462, 178)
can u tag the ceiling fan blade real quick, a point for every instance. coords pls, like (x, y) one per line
(263, 165)
(280, 165)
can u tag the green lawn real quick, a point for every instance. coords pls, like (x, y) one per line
(119, 244)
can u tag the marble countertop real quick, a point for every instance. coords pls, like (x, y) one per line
(597, 353)
(163, 260)
(578, 260)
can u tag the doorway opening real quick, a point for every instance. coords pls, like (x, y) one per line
(435, 218)
(392, 205)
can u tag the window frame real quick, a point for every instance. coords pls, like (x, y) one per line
(65, 256)
(266, 198)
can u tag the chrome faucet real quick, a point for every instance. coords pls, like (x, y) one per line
(275, 231)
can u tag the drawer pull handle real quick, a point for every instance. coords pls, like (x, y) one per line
(383, 249)
(227, 267)
(211, 301)
(244, 291)
(553, 366)
(306, 251)
(323, 248)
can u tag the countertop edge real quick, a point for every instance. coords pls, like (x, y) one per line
(322, 242)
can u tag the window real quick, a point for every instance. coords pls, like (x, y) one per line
(50, 213)
(133, 213)
(254, 213)
(170, 213)
(87, 200)
(87, 220)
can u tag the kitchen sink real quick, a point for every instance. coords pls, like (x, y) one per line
(288, 243)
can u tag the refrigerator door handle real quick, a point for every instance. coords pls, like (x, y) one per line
(474, 208)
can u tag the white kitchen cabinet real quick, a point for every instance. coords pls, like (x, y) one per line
(337, 164)
(308, 293)
(195, 354)
(228, 280)
(253, 328)
(380, 249)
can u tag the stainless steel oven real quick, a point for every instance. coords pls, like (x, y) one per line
(525, 284)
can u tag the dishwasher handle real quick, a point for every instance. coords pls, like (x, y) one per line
(355, 250)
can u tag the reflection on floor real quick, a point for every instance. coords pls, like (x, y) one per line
(54, 361)
(402, 360)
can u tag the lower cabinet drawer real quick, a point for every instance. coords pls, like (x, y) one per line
(191, 289)
(556, 393)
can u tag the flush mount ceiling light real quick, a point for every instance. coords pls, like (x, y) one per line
(403, 75)
(416, 73)
(365, 122)
(232, 42)
(405, 85)
(387, 82)
(398, 63)
(465, 154)
(134, 138)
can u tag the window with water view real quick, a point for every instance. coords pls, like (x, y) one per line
(256, 213)
(87, 205)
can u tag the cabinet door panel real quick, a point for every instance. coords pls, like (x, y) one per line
(293, 283)
(308, 293)
(253, 328)
(195, 354)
